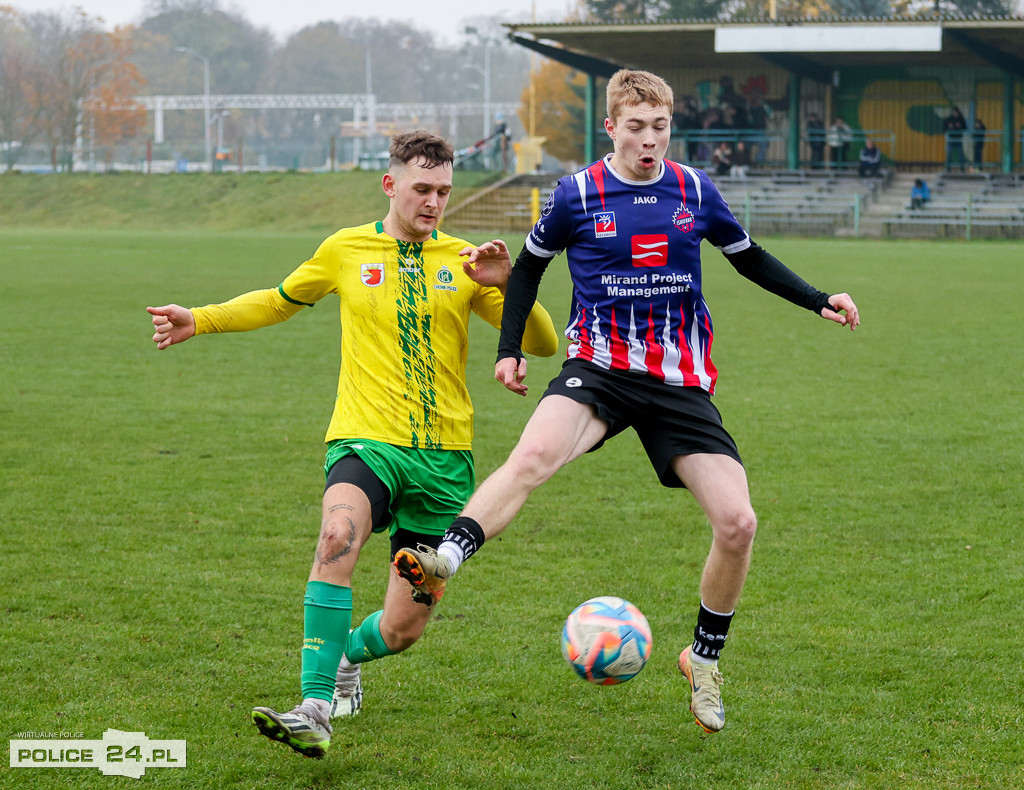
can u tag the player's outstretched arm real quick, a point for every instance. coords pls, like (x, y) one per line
(171, 324)
(511, 373)
(843, 302)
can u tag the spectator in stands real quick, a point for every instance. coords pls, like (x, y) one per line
(727, 94)
(740, 160)
(919, 194)
(978, 138)
(838, 138)
(816, 140)
(758, 119)
(721, 159)
(686, 121)
(870, 160)
(954, 127)
(711, 124)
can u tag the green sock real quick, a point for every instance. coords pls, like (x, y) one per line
(328, 615)
(365, 643)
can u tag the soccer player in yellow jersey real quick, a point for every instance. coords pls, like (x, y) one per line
(398, 445)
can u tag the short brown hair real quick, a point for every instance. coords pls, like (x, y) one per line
(629, 88)
(434, 151)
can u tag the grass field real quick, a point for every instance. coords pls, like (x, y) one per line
(158, 512)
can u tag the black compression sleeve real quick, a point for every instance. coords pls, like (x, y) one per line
(520, 294)
(761, 267)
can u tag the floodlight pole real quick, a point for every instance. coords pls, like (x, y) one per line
(486, 41)
(206, 103)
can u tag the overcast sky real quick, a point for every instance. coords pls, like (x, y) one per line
(441, 17)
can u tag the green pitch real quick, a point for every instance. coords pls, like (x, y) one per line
(158, 512)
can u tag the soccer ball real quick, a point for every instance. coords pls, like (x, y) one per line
(606, 640)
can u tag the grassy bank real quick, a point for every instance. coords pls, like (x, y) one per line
(222, 201)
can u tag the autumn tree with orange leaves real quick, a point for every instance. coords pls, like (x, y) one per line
(68, 80)
(559, 109)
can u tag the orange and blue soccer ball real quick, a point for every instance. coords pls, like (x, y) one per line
(606, 640)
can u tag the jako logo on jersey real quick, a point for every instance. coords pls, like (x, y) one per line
(638, 199)
(682, 218)
(372, 274)
(574, 382)
(650, 250)
(604, 224)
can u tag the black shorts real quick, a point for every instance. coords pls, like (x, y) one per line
(354, 470)
(669, 420)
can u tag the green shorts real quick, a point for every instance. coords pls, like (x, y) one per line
(428, 488)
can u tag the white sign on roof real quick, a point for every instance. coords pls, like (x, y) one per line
(828, 38)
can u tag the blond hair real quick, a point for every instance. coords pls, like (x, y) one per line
(629, 88)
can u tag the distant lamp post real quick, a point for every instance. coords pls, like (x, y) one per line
(206, 102)
(486, 41)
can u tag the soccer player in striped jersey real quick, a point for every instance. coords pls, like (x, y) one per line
(639, 355)
(398, 444)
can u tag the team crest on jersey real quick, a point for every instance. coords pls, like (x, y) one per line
(548, 205)
(372, 274)
(445, 278)
(604, 224)
(682, 218)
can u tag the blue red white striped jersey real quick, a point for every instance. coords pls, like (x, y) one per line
(633, 249)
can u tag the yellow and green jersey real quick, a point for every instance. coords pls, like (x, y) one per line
(405, 318)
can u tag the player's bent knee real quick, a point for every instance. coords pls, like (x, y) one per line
(736, 533)
(532, 463)
(335, 541)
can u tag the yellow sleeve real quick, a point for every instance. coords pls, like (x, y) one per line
(248, 311)
(539, 336)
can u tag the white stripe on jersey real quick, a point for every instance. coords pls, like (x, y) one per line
(698, 356)
(738, 246)
(581, 184)
(602, 351)
(696, 181)
(540, 252)
(673, 356)
(637, 351)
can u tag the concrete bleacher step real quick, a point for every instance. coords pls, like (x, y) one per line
(799, 203)
(504, 207)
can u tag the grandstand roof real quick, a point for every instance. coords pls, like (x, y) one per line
(813, 48)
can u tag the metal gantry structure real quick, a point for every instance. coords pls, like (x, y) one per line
(369, 116)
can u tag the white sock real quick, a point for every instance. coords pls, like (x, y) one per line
(701, 659)
(321, 707)
(452, 552)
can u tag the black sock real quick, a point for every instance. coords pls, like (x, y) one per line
(710, 634)
(466, 534)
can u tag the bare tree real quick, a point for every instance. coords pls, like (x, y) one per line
(21, 80)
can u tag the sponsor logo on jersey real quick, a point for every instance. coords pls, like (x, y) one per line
(548, 205)
(372, 274)
(682, 218)
(650, 249)
(445, 278)
(638, 199)
(604, 224)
